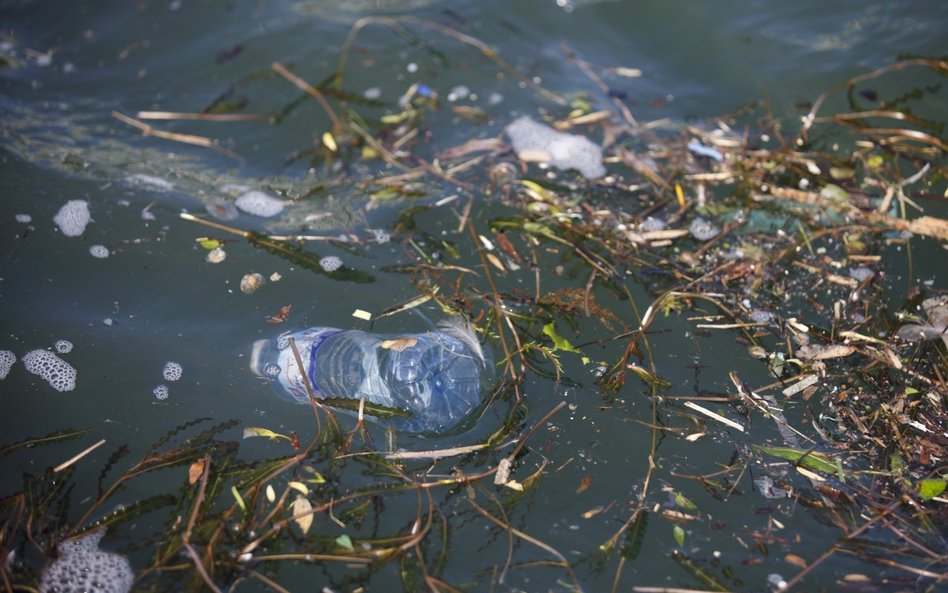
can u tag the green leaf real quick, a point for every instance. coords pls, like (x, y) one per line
(634, 537)
(929, 488)
(238, 498)
(808, 459)
(679, 532)
(559, 342)
(210, 244)
(344, 541)
(683, 503)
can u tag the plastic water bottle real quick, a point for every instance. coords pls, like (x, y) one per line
(435, 376)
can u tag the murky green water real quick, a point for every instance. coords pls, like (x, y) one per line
(155, 298)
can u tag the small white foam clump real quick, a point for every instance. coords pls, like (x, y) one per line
(534, 141)
(82, 567)
(24, 218)
(7, 359)
(330, 263)
(58, 373)
(63, 346)
(160, 392)
(150, 181)
(703, 230)
(99, 251)
(73, 217)
(172, 371)
(259, 204)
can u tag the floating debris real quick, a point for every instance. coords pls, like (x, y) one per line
(936, 309)
(216, 255)
(24, 218)
(172, 371)
(538, 142)
(150, 181)
(160, 392)
(703, 230)
(706, 151)
(251, 283)
(372, 93)
(259, 204)
(330, 263)
(73, 217)
(222, 210)
(381, 237)
(861, 274)
(99, 251)
(63, 346)
(82, 566)
(652, 224)
(60, 375)
(457, 93)
(275, 277)
(7, 359)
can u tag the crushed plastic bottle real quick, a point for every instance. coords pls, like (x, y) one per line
(436, 376)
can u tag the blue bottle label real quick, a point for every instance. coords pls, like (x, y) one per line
(307, 344)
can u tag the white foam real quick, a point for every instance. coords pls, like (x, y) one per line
(63, 346)
(160, 392)
(703, 230)
(150, 181)
(99, 251)
(73, 217)
(330, 263)
(7, 359)
(259, 204)
(57, 372)
(83, 567)
(563, 151)
(172, 371)
(24, 218)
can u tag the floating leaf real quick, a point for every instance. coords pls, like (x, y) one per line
(238, 498)
(679, 533)
(256, 431)
(330, 142)
(195, 471)
(302, 514)
(635, 536)
(584, 483)
(683, 503)
(210, 244)
(809, 459)
(271, 495)
(399, 344)
(299, 487)
(344, 541)
(317, 477)
(559, 342)
(929, 488)
(281, 315)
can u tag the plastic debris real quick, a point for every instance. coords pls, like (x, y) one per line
(706, 151)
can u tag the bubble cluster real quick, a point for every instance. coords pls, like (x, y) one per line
(57, 372)
(73, 217)
(563, 151)
(703, 230)
(63, 346)
(861, 274)
(330, 263)
(172, 371)
(259, 204)
(150, 181)
(24, 218)
(7, 359)
(222, 210)
(99, 251)
(653, 224)
(381, 237)
(761, 316)
(82, 566)
(160, 392)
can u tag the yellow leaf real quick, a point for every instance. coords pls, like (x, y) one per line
(329, 142)
(302, 513)
(399, 344)
(255, 431)
(300, 487)
(195, 471)
(271, 495)
(495, 262)
(514, 485)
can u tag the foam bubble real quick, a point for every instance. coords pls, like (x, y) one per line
(24, 218)
(7, 359)
(150, 181)
(381, 237)
(330, 263)
(703, 230)
(63, 346)
(172, 371)
(259, 204)
(160, 392)
(563, 151)
(82, 567)
(57, 372)
(99, 251)
(73, 217)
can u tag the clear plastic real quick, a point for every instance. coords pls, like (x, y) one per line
(436, 376)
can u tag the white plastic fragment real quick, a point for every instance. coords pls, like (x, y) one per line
(563, 151)
(73, 217)
(259, 204)
(60, 375)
